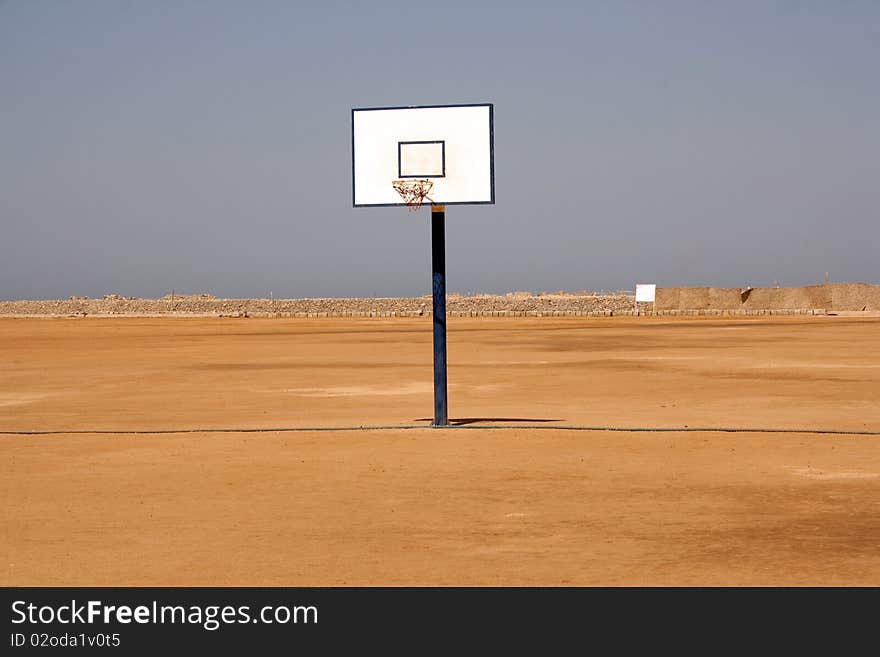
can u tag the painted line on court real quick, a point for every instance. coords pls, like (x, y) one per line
(398, 427)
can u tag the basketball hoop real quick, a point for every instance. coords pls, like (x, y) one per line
(413, 192)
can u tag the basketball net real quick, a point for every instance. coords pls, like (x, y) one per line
(413, 192)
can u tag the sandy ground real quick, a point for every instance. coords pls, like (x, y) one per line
(440, 506)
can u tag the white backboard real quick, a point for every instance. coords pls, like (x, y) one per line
(645, 292)
(451, 145)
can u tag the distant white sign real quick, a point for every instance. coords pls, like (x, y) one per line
(645, 292)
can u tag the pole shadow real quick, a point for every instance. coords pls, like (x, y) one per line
(460, 421)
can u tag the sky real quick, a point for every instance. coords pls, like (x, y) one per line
(205, 147)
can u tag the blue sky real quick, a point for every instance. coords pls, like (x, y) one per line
(205, 146)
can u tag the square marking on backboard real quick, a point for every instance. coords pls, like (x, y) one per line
(421, 159)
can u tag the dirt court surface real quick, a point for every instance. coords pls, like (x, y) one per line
(440, 506)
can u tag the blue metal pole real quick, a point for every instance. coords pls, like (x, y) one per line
(438, 272)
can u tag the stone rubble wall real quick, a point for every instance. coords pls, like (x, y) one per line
(483, 305)
(674, 301)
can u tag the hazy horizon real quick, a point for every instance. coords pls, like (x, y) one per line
(205, 148)
(179, 294)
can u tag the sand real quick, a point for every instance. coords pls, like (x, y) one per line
(829, 296)
(440, 506)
